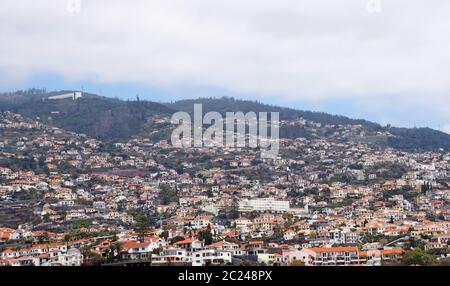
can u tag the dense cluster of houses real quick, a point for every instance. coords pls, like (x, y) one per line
(322, 202)
(187, 251)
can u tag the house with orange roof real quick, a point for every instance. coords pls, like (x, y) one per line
(81, 242)
(190, 244)
(134, 250)
(289, 234)
(254, 247)
(20, 261)
(223, 245)
(10, 253)
(172, 256)
(6, 234)
(231, 234)
(330, 256)
(376, 257)
(291, 254)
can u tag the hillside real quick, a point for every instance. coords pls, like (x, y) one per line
(408, 139)
(226, 104)
(99, 117)
(111, 118)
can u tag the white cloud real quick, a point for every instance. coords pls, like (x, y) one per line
(304, 49)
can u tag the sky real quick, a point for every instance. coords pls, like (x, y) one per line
(382, 60)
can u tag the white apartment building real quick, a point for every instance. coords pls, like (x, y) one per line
(211, 257)
(330, 256)
(72, 95)
(264, 204)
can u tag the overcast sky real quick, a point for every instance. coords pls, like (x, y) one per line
(329, 55)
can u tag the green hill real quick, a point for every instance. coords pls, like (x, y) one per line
(111, 118)
(407, 139)
(96, 116)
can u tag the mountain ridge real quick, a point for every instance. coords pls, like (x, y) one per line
(407, 139)
(112, 118)
(94, 115)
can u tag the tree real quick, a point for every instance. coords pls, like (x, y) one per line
(44, 237)
(90, 257)
(391, 221)
(143, 224)
(176, 239)
(418, 257)
(297, 263)
(180, 170)
(206, 236)
(85, 223)
(167, 195)
(46, 217)
(384, 241)
(444, 261)
(113, 251)
(157, 250)
(164, 234)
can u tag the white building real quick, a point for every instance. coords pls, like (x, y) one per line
(72, 95)
(330, 256)
(73, 257)
(265, 204)
(211, 257)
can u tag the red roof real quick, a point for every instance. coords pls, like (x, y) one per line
(186, 241)
(256, 242)
(135, 244)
